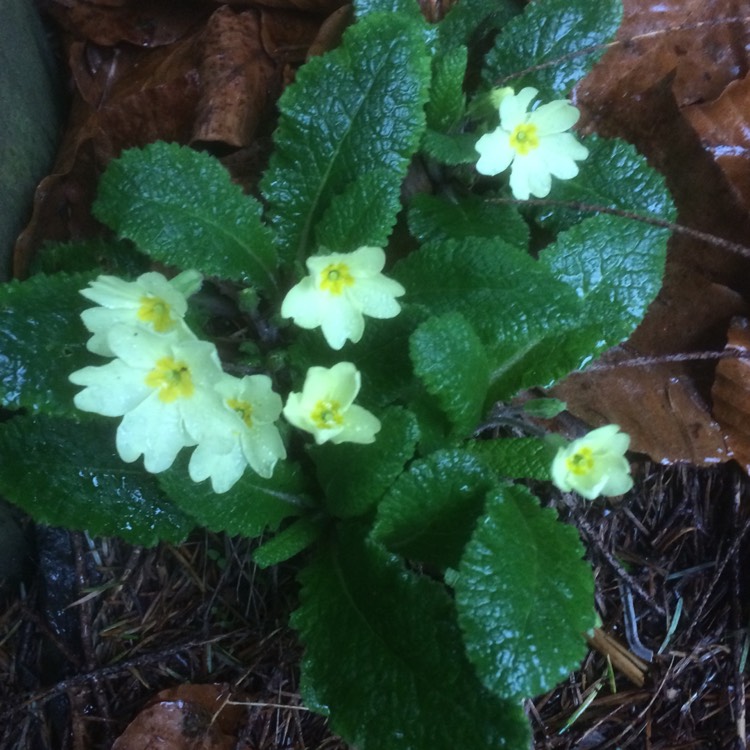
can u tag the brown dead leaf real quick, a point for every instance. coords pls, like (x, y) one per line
(236, 79)
(188, 717)
(286, 36)
(672, 54)
(705, 43)
(662, 405)
(321, 7)
(212, 84)
(723, 126)
(151, 24)
(731, 392)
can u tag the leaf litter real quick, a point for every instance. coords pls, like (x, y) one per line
(99, 632)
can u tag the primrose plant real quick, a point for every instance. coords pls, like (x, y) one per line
(334, 364)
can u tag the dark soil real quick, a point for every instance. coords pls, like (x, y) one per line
(100, 627)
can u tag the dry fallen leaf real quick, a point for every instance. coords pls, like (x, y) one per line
(723, 126)
(188, 717)
(731, 392)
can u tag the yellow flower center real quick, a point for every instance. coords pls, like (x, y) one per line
(156, 311)
(172, 378)
(244, 410)
(327, 414)
(524, 138)
(581, 462)
(334, 277)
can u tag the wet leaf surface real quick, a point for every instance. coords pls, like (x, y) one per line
(187, 717)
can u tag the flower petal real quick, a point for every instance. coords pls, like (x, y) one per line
(513, 108)
(360, 426)
(554, 117)
(495, 152)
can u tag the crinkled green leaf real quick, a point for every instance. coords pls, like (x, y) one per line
(409, 7)
(517, 307)
(250, 507)
(450, 360)
(637, 190)
(384, 655)
(292, 540)
(42, 340)
(110, 256)
(473, 21)
(352, 110)
(181, 207)
(363, 214)
(450, 149)
(354, 477)
(524, 595)
(429, 513)
(447, 101)
(432, 218)
(514, 458)
(552, 45)
(66, 473)
(615, 265)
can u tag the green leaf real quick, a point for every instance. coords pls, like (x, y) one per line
(113, 257)
(552, 45)
(524, 596)
(638, 190)
(615, 265)
(450, 360)
(472, 21)
(544, 408)
(42, 340)
(249, 508)
(181, 207)
(517, 307)
(363, 214)
(384, 655)
(429, 513)
(447, 101)
(350, 111)
(295, 538)
(514, 458)
(409, 7)
(66, 473)
(450, 149)
(354, 477)
(432, 219)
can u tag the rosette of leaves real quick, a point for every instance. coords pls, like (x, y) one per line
(436, 591)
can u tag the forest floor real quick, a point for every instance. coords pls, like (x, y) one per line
(192, 642)
(103, 634)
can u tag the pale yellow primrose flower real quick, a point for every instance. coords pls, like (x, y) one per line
(595, 464)
(340, 290)
(533, 144)
(163, 389)
(325, 407)
(250, 408)
(151, 303)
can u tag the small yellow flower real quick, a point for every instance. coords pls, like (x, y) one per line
(595, 464)
(533, 144)
(341, 289)
(161, 387)
(326, 409)
(243, 434)
(151, 303)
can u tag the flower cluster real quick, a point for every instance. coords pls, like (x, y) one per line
(339, 291)
(595, 464)
(533, 144)
(171, 392)
(169, 387)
